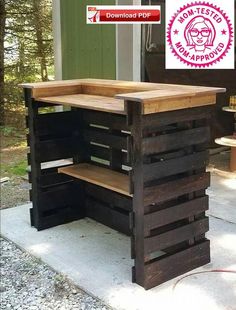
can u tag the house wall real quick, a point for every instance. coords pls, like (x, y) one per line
(95, 51)
(87, 51)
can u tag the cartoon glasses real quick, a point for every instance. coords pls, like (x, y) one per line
(204, 32)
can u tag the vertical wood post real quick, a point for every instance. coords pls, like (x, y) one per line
(34, 163)
(135, 116)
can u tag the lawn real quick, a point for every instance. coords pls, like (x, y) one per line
(14, 167)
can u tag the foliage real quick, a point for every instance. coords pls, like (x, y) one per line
(28, 47)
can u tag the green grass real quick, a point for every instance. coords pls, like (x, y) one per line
(18, 169)
(7, 130)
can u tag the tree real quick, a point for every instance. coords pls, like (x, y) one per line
(28, 47)
(38, 21)
(2, 34)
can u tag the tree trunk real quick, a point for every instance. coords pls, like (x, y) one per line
(37, 8)
(2, 34)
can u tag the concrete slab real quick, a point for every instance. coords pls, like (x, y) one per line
(223, 198)
(97, 258)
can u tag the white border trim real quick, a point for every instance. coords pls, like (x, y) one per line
(56, 22)
(137, 52)
(137, 48)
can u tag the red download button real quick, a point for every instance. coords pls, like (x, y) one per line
(140, 15)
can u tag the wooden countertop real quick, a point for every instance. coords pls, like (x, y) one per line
(111, 95)
(90, 102)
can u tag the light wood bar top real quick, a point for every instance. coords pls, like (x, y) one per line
(110, 179)
(90, 102)
(112, 95)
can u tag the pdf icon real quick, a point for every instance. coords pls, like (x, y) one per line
(93, 15)
(200, 35)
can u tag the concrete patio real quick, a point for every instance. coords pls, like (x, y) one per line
(97, 258)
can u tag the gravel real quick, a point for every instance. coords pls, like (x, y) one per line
(28, 283)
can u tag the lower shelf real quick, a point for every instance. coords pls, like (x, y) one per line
(106, 178)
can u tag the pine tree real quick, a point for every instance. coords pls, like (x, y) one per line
(28, 52)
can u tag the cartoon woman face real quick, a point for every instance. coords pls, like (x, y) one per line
(200, 33)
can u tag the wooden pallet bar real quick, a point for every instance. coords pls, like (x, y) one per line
(131, 156)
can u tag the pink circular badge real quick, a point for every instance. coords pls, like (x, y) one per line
(200, 34)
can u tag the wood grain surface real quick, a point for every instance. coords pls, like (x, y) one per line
(107, 178)
(91, 102)
(110, 95)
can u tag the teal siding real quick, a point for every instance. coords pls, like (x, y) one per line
(87, 50)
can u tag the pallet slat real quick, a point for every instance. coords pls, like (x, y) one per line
(174, 166)
(59, 217)
(112, 121)
(60, 197)
(175, 236)
(99, 151)
(107, 216)
(180, 139)
(176, 264)
(106, 196)
(51, 123)
(104, 137)
(185, 115)
(173, 189)
(54, 179)
(104, 153)
(175, 213)
(55, 149)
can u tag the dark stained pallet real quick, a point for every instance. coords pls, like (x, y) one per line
(175, 236)
(106, 196)
(177, 140)
(52, 123)
(53, 180)
(178, 187)
(58, 216)
(175, 213)
(167, 153)
(104, 137)
(103, 152)
(60, 196)
(171, 266)
(112, 121)
(185, 115)
(56, 149)
(174, 166)
(113, 218)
